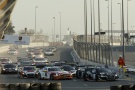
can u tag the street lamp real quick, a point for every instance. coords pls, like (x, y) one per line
(54, 28)
(127, 22)
(99, 25)
(121, 23)
(60, 26)
(35, 21)
(94, 18)
(111, 25)
(108, 23)
(85, 19)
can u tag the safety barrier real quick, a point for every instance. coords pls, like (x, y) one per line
(55, 44)
(31, 86)
(123, 87)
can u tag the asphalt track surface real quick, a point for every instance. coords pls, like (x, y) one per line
(63, 54)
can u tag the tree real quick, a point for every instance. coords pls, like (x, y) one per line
(9, 29)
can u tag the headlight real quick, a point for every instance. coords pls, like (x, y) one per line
(3, 68)
(116, 75)
(102, 73)
(16, 69)
(56, 75)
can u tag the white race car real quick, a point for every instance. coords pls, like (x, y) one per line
(27, 71)
(39, 60)
(48, 52)
(13, 52)
(54, 73)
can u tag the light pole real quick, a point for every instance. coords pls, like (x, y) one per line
(35, 20)
(108, 23)
(91, 19)
(123, 29)
(94, 19)
(113, 29)
(60, 26)
(99, 26)
(127, 22)
(121, 24)
(85, 19)
(54, 29)
(111, 25)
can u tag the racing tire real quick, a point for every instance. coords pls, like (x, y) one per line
(97, 79)
(51, 77)
(1, 72)
(39, 77)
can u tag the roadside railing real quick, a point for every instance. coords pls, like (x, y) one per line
(94, 52)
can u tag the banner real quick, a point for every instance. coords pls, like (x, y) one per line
(15, 39)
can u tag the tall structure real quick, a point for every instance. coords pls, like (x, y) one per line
(6, 7)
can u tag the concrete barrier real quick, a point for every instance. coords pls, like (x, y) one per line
(35, 45)
(4, 49)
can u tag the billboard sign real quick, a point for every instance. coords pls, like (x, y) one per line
(15, 39)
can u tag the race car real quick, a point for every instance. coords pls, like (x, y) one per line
(26, 71)
(23, 61)
(100, 74)
(69, 68)
(48, 52)
(54, 49)
(13, 52)
(54, 73)
(39, 60)
(9, 68)
(4, 60)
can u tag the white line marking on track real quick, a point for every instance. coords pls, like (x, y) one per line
(85, 85)
(74, 80)
(33, 81)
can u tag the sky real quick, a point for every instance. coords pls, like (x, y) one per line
(72, 15)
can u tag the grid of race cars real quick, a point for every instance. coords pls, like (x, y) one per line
(36, 65)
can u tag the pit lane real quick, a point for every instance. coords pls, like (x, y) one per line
(63, 54)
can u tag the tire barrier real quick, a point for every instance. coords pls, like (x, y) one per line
(45, 86)
(25, 86)
(31, 86)
(4, 86)
(123, 87)
(115, 87)
(35, 86)
(55, 86)
(14, 86)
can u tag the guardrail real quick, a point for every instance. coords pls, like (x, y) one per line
(86, 62)
(31, 86)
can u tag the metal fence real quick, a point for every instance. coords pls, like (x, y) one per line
(95, 52)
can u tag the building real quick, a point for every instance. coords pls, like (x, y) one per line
(6, 8)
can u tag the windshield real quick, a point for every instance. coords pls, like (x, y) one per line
(39, 59)
(9, 66)
(68, 68)
(54, 69)
(104, 70)
(28, 68)
(4, 60)
(37, 54)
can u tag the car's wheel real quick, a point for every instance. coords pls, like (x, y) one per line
(1, 72)
(51, 77)
(39, 77)
(97, 78)
(85, 78)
